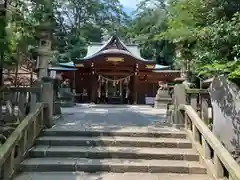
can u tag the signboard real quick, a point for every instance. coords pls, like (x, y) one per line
(150, 66)
(115, 59)
(79, 65)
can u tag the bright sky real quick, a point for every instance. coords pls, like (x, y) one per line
(129, 3)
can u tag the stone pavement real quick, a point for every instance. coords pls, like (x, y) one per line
(111, 118)
(109, 176)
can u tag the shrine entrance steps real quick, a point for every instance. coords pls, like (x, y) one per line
(136, 154)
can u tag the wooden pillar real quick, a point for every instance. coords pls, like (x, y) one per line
(93, 84)
(106, 89)
(135, 89)
(121, 91)
(135, 84)
(94, 88)
(74, 83)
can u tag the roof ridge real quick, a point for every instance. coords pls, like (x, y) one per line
(102, 43)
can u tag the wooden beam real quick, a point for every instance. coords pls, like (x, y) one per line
(113, 68)
(106, 64)
(113, 73)
(160, 73)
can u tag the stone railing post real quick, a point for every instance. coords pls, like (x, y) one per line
(157, 99)
(47, 96)
(179, 97)
(57, 103)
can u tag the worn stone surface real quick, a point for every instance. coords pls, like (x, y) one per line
(114, 152)
(110, 118)
(127, 132)
(119, 141)
(112, 165)
(225, 97)
(109, 176)
(116, 139)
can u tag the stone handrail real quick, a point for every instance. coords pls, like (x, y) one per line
(16, 103)
(13, 151)
(218, 160)
(199, 99)
(196, 91)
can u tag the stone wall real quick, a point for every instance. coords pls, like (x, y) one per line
(225, 98)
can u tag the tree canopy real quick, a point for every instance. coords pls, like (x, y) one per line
(202, 35)
(206, 33)
(76, 23)
(150, 20)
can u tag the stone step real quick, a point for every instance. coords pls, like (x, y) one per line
(160, 105)
(163, 100)
(108, 176)
(114, 141)
(111, 165)
(160, 133)
(114, 152)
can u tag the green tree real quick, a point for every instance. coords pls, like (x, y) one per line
(150, 20)
(206, 36)
(81, 22)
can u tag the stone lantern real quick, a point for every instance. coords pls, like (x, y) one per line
(44, 34)
(162, 97)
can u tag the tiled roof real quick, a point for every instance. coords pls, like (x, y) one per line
(95, 49)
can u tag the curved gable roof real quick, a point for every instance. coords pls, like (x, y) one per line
(96, 49)
(115, 51)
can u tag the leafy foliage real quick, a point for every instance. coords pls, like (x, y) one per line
(150, 19)
(81, 22)
(75, 24)
(206, 33)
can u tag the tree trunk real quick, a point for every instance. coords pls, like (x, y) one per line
(2, 45)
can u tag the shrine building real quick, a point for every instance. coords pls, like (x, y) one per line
(115, 73)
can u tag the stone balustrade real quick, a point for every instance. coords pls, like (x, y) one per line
(26, 126)
(190, 110)
(218, 160)
(13, 151)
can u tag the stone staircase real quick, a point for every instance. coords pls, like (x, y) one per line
(112, 155)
